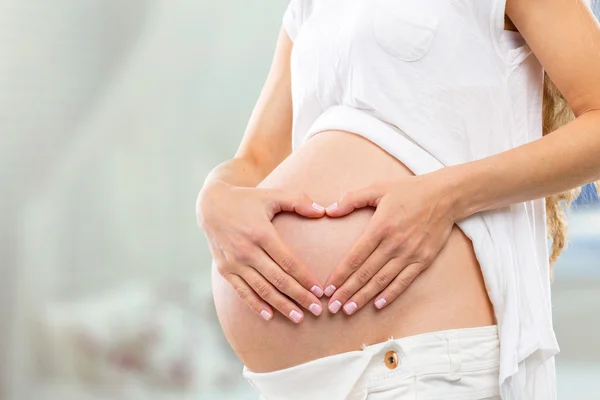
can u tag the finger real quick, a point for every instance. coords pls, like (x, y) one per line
(300, 203)
(279, 252)
(248, 296)
(271, 295)
(361, 277)
(379, 282)
(400, 283)
(354, 259)
(350, 201)
(287, 285)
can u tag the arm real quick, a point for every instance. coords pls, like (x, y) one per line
(267, 139)
(236, 216)
(410, 227)
(565, 36)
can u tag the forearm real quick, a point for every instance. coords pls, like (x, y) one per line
(238, 171)
(566, 158)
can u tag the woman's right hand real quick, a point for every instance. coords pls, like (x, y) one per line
(249, 253)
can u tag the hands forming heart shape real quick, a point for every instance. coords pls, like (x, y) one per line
(412, 222)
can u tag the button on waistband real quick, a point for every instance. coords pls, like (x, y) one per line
(391, 359)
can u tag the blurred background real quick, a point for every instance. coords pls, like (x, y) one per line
(111, 114)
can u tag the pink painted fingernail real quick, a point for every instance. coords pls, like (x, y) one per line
(332, 207)
(295, 316)
(318, 207)
(315, 309)
(335, 306)
(317, 291)
(380, 303)
(349, 308)
(266, 315)
(329, 291)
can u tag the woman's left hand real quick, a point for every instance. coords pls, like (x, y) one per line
(411, 224)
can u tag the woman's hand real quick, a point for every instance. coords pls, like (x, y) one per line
(249, 253)
(411, 224)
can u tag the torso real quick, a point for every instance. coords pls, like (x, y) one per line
(449, 294)
(457, 111)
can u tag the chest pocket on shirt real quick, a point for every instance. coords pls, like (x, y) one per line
(405, 28)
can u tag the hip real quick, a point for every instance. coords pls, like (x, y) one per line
(458, 364)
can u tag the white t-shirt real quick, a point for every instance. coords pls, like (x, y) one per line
(437, 83)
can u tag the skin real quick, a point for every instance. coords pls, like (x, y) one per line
(565, 37)
(450, 294)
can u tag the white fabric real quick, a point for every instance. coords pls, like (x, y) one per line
(455, 364)
(437, 83)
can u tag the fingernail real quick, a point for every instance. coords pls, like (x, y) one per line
(266, 315)
(380, 303)
(349, 308)
(317, 291)
(318, 207)
(332, 207)
(335, 306)
(315, 309)
(295, 316)
(329, 291)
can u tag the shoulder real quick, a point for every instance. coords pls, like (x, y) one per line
(296, 13)
(303, 5)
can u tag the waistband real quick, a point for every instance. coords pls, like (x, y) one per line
(352, 374)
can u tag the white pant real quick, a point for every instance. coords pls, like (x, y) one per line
(455, 364)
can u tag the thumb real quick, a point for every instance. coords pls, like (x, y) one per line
(350, 201)
(300, 203)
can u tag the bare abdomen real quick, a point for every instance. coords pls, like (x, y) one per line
(449, 294)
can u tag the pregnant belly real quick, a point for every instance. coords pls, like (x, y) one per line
(449, 294)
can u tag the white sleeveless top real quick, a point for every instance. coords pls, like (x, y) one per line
(437, 83)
